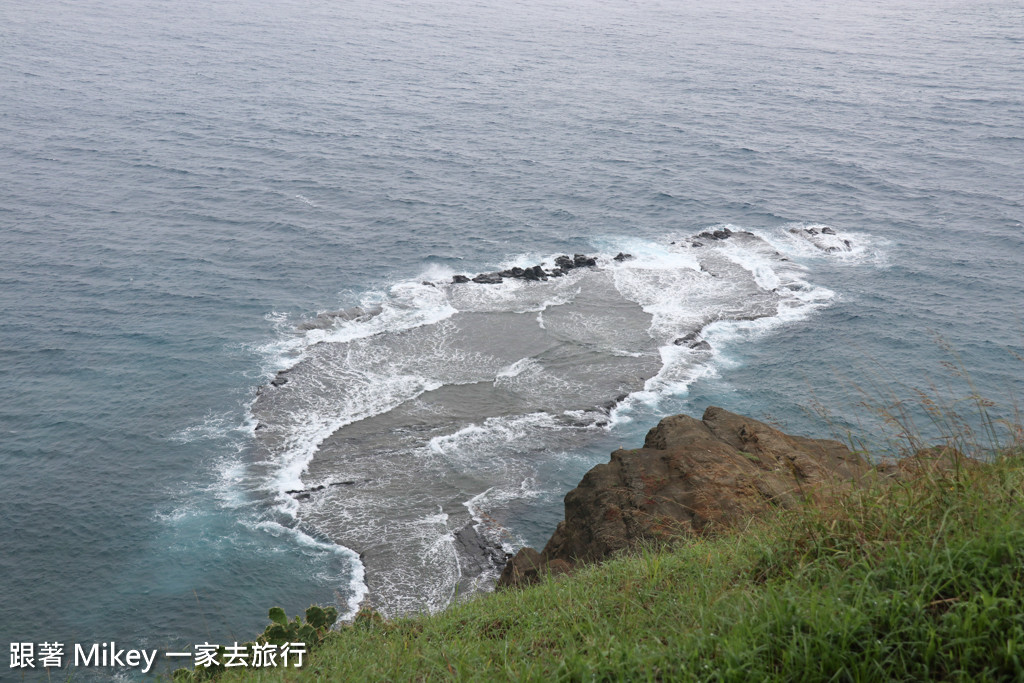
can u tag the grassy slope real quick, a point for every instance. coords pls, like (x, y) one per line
(918, 582)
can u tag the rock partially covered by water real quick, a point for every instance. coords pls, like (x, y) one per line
(723, 234)
(326, 320)
(824, 238)
(563, 264)
(692, 477)
(693, 341)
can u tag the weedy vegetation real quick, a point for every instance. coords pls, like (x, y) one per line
(915, 578)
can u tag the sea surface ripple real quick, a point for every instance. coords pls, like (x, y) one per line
(184, 186)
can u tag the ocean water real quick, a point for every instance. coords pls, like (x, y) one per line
(197, 199)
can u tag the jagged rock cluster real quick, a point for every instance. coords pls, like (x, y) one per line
(563, 264)
(825, 231)
(693, 341)
(723, 234)
(691, 477)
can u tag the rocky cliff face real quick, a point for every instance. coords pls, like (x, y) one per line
(691, 477)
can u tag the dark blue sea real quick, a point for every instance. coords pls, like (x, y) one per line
(237, 372)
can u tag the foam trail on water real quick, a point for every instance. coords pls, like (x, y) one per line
(356, 585)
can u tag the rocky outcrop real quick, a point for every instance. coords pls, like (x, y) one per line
(563, 264)
(691, 477)
(693, 341)
(325, 320)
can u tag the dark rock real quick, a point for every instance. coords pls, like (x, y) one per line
(488, 279)
(428, 284)
(524, 568)
(811, 231)
(279, 381)
(609, 406)
(622, 257)
(848, 244)
(459, 279)
(476, 555)
(723, 234)
(687, 339)
(707, 235)
(528, 566)
(693, 341)
(582, 260)
(696, 244)
(535, 273)
(565, 263)
(306, 492)
(691, 478)
(827, 231)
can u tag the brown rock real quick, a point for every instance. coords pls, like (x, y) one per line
(692, 477)
(522, 568)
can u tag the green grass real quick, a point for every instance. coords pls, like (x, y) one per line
(921, 581)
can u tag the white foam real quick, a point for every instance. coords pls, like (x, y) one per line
(407, 305)
(665, 281)
(436, 272)
(357, 582)
(377, 395)
(216, 426)
(648, 255)
(671, 304)
(494, 429)
(497, 496)
(519, 367)
(794, 241)
(760, 268)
